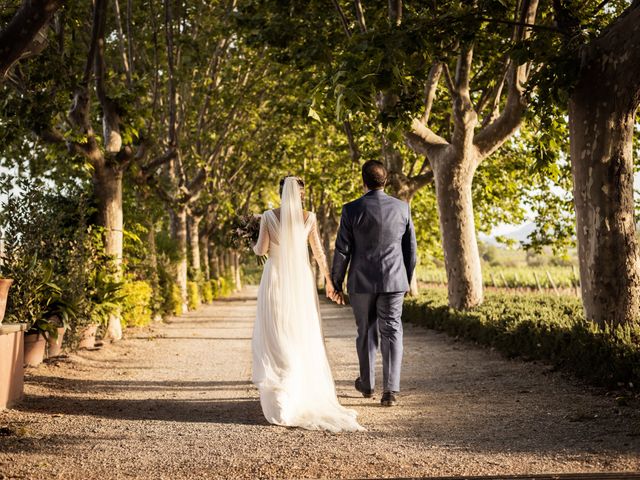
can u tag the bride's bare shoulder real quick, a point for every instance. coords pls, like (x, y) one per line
(305, 213)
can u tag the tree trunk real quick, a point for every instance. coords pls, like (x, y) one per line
(194, 244)
(215, 261)
(238, 270)
(222, 272)
(230, 266)
(457, 227)
(153, 263)
(601, 132)
(179, 229)
(206, 262)
(108, 191)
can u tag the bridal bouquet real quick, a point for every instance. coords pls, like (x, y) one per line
(245, 232)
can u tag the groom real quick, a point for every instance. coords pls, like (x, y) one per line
(376, 237)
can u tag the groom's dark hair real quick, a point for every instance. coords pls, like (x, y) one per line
(374, 175)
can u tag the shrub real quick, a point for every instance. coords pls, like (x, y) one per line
(193, 296)
(206, 288)
(539, 327)
(55, 257)
(215, 287)
(136, 303)
(174, 300)
(222, 287)
(168, 291)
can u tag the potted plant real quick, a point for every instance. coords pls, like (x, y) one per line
(5, 283)
(11, 345)
(35, 342)
(43, 326)
(31, 298)
(59, 314)
(105, 298)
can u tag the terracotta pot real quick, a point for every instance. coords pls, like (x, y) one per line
(55, 344)
(5, 283)
(88, 337)
(34, 345)
(11, 364)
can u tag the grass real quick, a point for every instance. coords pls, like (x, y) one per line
(512, 277)
(538, 327)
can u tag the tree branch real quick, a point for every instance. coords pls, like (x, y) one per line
(168, 22)
(98, 14)
(463, 68)
(110, 118)
(492, 136)
(130, 37)
(395, 12)
(421, 139)
(449, 80)
(354, 151)
(53, 137)
(343, 18)
(24, 35)
(423, 179)
(159, 161)
(121, 42)
(430, 89)
(360, 16)
(489, 94)
(494, 99)
(464, 116)
(532, 26)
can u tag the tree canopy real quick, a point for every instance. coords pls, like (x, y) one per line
(174, 118)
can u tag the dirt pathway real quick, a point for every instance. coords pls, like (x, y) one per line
(177, 402)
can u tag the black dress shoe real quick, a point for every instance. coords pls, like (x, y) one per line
(360, 388)
(389, 399)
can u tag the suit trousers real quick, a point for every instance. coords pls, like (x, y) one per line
(379, 320)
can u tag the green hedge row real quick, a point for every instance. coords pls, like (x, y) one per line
(538, 327)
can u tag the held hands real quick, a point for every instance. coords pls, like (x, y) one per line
(333, 294)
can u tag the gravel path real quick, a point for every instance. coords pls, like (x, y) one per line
(175, 401)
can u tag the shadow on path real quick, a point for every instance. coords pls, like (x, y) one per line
(243, 410)
(248, 298)
(88, 386)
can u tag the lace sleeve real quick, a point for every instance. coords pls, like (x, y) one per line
(318, 251)
(262, 245)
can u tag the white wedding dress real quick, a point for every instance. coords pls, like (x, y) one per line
(290, 366)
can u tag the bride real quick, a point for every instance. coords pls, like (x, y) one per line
(290, 366)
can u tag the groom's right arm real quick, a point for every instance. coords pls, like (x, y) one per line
(342, 254)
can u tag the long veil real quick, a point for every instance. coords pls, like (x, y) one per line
(294, 255)
(290, 362)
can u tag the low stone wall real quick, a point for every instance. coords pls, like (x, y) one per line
(11, 364)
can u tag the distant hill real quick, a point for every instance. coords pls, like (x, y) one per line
(520, 233)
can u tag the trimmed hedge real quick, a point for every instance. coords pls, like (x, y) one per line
(206, 291)
(174, 301)
(193, 295)
(538, 327)
(222, 287)
(136, 303)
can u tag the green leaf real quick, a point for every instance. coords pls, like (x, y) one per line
(313, 114)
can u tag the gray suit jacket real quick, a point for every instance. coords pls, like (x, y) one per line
(377, 238)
